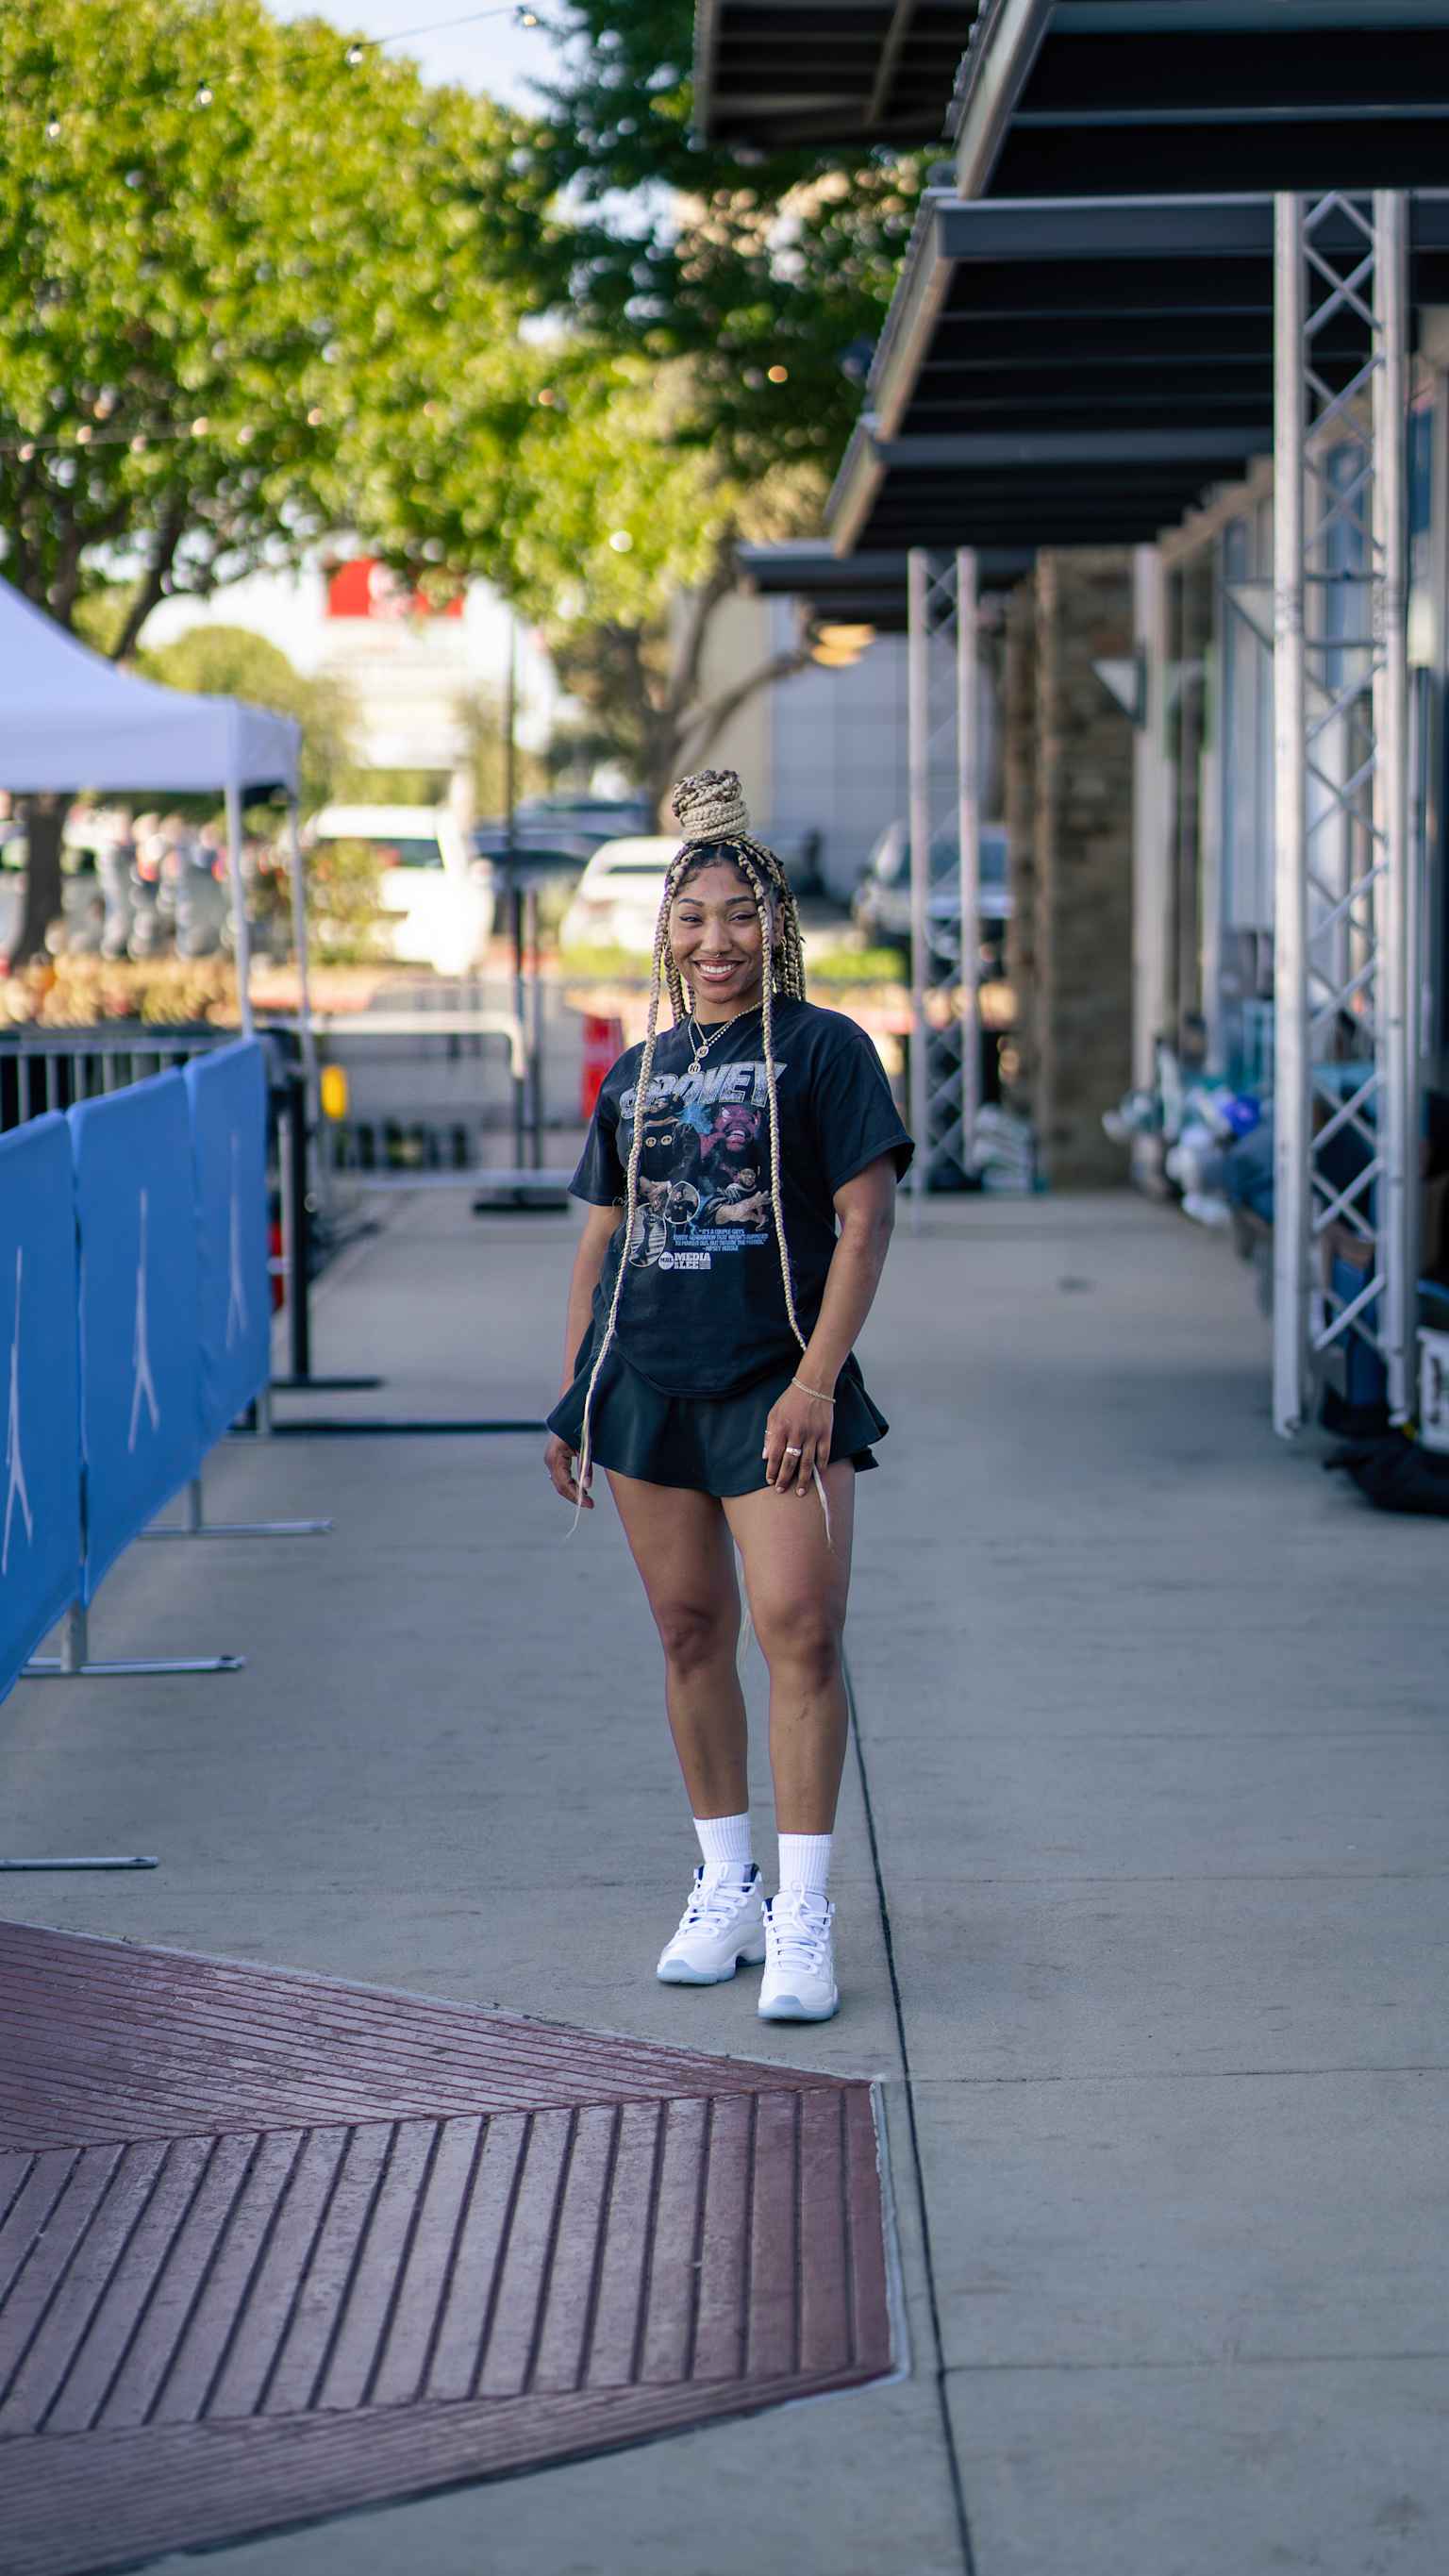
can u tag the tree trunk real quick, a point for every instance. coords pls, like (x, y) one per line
(44, 896)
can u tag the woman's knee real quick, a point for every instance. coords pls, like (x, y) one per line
(696, 1633)
(802, 1638)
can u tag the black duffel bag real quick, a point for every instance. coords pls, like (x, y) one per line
(1395, 1474)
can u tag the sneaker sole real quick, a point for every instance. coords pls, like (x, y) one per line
(790, 2008)
(679, 1973)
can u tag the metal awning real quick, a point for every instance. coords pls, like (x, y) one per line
(788, 72)
(1070, 97)
(859, 589)
(1078, 371)
(1158, 96)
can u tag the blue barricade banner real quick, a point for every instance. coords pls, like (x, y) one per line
(40, 1526)
(228, 1099)
(139, 1356)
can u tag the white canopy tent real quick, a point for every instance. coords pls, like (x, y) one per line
(69, 719)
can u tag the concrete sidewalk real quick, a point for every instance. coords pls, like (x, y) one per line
(1142, 1890)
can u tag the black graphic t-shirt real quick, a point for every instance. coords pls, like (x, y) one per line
(703, 1305)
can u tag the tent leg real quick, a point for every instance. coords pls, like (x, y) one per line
(241, 927)
(296, 866)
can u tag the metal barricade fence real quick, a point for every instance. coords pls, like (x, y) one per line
(54, 1068)
(135, 1312)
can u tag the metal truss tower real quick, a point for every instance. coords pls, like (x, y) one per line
(945, 836)
(1345, 1086)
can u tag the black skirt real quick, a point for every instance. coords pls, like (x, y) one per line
(709, 1442)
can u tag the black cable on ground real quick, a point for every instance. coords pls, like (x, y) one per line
(958, 2492)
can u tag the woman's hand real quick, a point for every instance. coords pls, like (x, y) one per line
(797, 1421)
(558, 1458)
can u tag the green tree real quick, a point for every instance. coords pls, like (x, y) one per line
(695, 393)
(770, 273)
(617, 544)
(223, 244)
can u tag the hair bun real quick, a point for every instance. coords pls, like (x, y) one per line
(710, 806)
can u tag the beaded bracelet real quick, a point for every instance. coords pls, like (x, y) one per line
(818, 1392)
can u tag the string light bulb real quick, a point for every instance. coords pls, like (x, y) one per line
(526, 17)
(52, 129)
(778, 375)
(204, 94)
(622, 542)
(353, 56)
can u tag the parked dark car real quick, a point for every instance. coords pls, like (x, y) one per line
(881, 904)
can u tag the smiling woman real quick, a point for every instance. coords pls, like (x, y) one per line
(740, 1175)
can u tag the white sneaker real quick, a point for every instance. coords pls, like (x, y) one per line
(799, 1979)
(720, 1926)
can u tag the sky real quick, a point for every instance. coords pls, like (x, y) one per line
(491, 53)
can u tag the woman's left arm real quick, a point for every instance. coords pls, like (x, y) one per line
(866, 1207)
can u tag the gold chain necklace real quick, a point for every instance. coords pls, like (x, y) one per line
(705, 1043)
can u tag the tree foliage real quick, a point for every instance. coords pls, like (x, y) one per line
(617, 545)
(691, 251)
(224, 246)
(258, 295)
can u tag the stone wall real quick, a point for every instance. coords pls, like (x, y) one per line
(1068, 789)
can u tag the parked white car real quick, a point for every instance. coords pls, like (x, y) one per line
(437, 894)
(616, 904)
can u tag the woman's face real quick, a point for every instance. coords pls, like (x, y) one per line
(717, 942)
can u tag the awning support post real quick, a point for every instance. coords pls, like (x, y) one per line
(1290, 992)
(943, 713)
(968, 806)
(1151, 876)
(1345, 1079)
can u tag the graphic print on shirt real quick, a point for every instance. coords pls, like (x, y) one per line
(704, 1176)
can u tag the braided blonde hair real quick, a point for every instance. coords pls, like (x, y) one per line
(710, 809)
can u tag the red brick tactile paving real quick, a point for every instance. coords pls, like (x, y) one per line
(272, 2247)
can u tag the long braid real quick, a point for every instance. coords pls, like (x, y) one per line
(585, 1461)
(713, 803)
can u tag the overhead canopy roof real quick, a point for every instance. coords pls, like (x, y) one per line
(826, 71)
(1073, 97)
(70, 719)
(1079, 371)
(1078, 96)
(858, 590)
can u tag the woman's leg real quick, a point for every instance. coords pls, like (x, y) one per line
(680, 1542)
(797, 1590)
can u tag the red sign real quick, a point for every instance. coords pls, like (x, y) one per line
(367, 588)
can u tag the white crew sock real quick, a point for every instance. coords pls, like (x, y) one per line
(724, 1843)
(805, 1865)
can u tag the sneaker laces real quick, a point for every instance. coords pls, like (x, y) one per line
(798, 1939)
(713, 1905)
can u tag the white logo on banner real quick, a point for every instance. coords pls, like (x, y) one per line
(14, 1463)
(236, 1308)
(144, 1387)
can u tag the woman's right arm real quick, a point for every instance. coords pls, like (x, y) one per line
(600, 1226)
